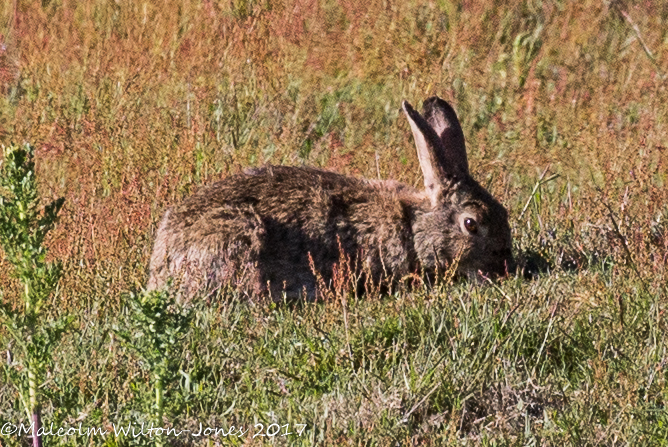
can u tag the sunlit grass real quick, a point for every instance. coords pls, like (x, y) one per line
(133, 105)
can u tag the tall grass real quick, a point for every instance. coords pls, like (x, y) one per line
(133, 105)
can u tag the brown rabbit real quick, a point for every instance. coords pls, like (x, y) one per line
(273, 227)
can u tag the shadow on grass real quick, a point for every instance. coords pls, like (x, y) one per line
(532, 263)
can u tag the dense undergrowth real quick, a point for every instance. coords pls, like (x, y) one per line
(133, 105)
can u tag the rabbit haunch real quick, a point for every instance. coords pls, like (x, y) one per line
(272, 227)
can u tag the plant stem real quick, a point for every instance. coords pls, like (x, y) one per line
(26, 287)
(37, 421)
(32, 385)
(34, 407)
(159, 403)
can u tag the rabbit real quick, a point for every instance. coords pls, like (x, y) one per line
(278, 227)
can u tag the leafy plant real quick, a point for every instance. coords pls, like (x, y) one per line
(154, 330)
(23, 227)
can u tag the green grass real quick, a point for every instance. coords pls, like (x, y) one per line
(131, 106)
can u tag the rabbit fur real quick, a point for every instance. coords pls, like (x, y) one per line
(273, 229)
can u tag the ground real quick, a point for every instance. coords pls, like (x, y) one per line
(132, 106)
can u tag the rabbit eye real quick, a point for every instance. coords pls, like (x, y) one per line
(471, 225)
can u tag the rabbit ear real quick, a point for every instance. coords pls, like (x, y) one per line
(431, 152)
(443, 119)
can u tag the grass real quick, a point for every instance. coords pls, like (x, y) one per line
(133, 105)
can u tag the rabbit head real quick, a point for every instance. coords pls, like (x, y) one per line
(458, 220)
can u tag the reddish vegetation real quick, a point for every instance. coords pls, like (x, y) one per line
(132, 105)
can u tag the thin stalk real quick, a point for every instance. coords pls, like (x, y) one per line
(26, 289)
(33, 401)
(160, 405)
(535, 188)
(34, 407)
(644, 46)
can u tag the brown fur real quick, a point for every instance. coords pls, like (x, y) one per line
(267, 225)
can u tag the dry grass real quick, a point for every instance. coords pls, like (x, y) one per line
(133, 105)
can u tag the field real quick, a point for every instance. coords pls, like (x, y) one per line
(133, 105)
